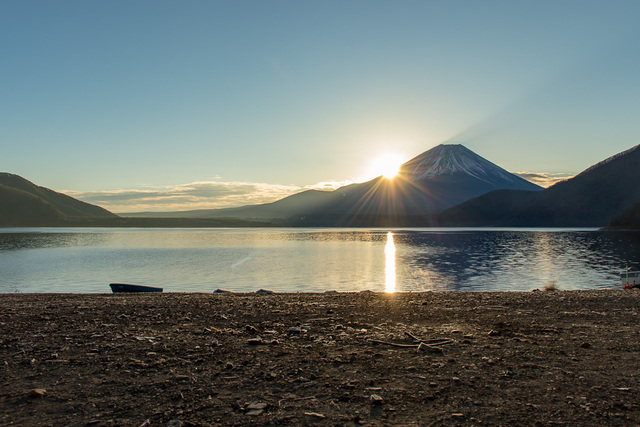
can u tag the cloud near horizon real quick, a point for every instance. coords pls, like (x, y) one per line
(184, 197)
(219, 195)
(543, 179)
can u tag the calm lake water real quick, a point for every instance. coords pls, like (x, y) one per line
(313, 260)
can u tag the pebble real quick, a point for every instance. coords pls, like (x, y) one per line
(376, 399)
(315, 415)
(585, 345)
(38, 392)
(257, 406)
(429, 349)
(255, 341)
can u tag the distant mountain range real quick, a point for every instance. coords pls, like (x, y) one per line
(448, 185)
(24, 204)
(426, 185)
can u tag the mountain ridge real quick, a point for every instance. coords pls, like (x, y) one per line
(590, 199)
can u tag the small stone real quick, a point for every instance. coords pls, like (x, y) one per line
(429, 349)
(251, 329)
(257, 406)
(493, 333)
(376, 399)
(585, 345)
(315, 415)
(38, 392)
(255, 341)
(223, 291)
(255, 412)
(265, 291)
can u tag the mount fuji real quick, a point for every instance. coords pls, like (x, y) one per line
(438, 179)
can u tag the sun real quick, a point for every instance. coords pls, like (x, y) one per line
(388, 165)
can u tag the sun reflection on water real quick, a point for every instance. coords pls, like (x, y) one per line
(390, 264)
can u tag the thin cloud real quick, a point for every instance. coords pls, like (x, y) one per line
(543, 179)
(196, 195)
(328, 185)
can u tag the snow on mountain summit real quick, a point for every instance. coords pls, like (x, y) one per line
(454, 159)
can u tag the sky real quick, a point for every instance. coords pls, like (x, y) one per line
(172, 105)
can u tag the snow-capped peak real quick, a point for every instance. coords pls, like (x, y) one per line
(453, 159)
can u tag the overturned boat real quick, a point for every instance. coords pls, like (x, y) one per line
(124, 287)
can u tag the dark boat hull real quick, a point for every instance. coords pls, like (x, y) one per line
(123, 287)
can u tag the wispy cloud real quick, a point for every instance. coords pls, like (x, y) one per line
(219, 194)
(329, 185)
(196, 195)
(544, 179)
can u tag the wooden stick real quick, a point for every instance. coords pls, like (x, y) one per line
(410, 335)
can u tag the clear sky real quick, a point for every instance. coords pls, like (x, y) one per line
(150, 105)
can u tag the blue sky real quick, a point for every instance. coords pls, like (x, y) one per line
(151, 105)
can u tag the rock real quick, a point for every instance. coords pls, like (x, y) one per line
(493, 333)
(251, 329)
(223, 291)
(315, 415)
(255, 409)
(255, 341)
(265, 291)
(257, 406)
(429, 349)
(297, 330)
(376, 399)
(38, 392)
(585, 345)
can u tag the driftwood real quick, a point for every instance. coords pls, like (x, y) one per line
(428, 343)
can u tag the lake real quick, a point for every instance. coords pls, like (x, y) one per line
(314, 260)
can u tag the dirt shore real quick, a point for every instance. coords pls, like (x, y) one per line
(537, 358)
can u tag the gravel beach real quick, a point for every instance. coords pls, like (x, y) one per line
(175, 359)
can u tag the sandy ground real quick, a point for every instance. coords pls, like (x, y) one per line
(537, 358)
